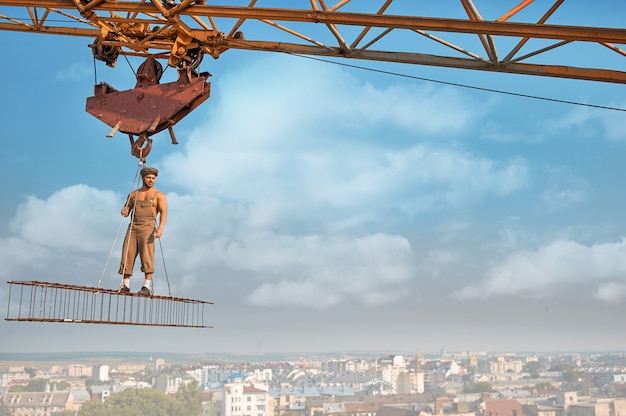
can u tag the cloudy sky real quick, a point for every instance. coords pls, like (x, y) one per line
(324, 207)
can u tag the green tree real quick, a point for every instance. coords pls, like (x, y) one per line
(533, 368)
(188, 400)
(570, 372)
(544, 386)
(480, 387)
(93, 408)
(4, 409)
(38, 384)
(146, 402)
(89, 382)
(61, 385)
(30, 371)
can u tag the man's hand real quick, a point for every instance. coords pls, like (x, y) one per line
(125, 211)
(158, 233)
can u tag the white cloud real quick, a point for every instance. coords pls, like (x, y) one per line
(279, 188)
(280, 94)
(20, 260)
(75, 72)
(439, 263)
(313, 271)
(564, 189)
(75, 235)
(73, 218)
(576, 120)
(611, 292)
(65, 238)
(268, 121)
(345, 153)
(318, 271)
(613, 122)
(559, 265)
(559, 199)
(495, 131)
(592, 122)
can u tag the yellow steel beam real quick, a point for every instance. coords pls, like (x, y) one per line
(540, 31)
(120, 19)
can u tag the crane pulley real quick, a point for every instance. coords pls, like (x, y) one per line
(150, 107)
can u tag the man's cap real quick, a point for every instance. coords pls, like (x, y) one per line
(149, 171)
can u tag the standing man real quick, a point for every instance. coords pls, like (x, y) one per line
(144, 205)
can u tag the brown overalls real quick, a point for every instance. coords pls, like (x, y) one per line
(140, 237)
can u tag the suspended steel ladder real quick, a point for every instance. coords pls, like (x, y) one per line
(35, 301)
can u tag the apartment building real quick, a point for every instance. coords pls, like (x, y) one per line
(411, 382)
(79, 370)
(504, 365)
(14, 377)
(239, 399)
(38, 403)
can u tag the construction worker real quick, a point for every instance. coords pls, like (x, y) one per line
(144, 205)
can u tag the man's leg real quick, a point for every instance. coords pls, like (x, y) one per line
(126, 284)
(127, 262)
(146, 253)
(145, 290)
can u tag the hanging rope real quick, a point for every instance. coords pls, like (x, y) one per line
(130, 66)
(106, 265)
(95, 72)
(169, 288)
(140, 166)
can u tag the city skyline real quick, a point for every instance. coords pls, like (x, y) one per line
(313, 385)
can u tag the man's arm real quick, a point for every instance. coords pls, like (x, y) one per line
(127, 208)
(162, 211)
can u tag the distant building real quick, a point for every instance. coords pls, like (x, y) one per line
(264, 374)
(100, 393)
(39, 403)
(619, 378)
(79, 370)
(207, 375)
(130, 368)
(502, 365)
(239, 399)
(101, 372)
(352, 409)
(103, 392)
(211, 403)
(172, 384)
(78, 398)
(502, 407)
(159, 364)
(14, 378)
(394, 411)
(297, 400)
(398, 361)
(410, 383)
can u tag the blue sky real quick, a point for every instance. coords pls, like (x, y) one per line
(323, 207)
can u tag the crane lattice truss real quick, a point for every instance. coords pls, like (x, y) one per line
(378, 30)
(33, 301)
